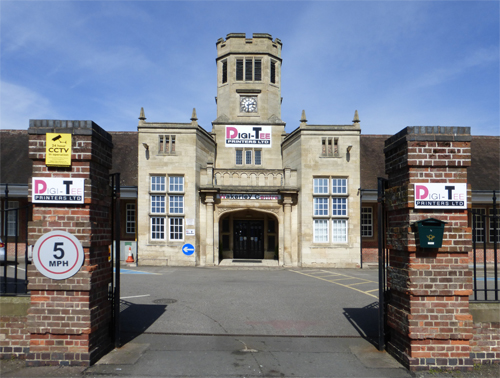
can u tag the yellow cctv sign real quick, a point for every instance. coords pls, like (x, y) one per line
(58, 150)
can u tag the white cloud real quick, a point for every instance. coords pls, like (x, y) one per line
(19, 104)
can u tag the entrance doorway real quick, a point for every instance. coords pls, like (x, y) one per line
(248, 239)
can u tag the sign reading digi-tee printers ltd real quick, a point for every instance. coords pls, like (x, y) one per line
(248, 136)
(58, 190)
(441, 196)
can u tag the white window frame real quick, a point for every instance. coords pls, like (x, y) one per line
(319, 237)
(340, 237)
(130, 218)
(335, 190)
(367, 222)
(479, 223)
(180, 232)
(176, 184)
(258, 161)
(12, 226)
(176, 204)
(248, 157)
(157, 186)
(239, 157)
(160, 232)
(491, 231)
(158, 204)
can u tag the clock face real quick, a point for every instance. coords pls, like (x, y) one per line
(248, 104)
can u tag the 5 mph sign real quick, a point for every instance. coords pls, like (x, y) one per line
(58, 255)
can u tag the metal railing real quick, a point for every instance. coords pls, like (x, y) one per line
(14, 272)
(485, 275)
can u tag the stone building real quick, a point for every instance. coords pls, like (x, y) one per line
(248, 190)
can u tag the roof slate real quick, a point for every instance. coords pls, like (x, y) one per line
(15, 166)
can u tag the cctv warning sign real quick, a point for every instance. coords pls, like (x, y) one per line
(58, 150)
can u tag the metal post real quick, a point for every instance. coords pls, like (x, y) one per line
(381, 264)
(117, 258)
(495, 236)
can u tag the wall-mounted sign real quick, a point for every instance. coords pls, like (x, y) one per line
(190, 232)
(57, 190)
(249, 196)
(58, 150)
(248, 136)
(441, 196)
(188, 249)
(58, 255)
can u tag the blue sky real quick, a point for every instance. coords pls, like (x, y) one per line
(399, 63)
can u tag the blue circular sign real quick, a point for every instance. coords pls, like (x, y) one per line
(188, 249)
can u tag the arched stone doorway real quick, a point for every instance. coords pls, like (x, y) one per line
(248, 234)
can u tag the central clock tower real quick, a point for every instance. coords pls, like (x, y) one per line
(249, 98)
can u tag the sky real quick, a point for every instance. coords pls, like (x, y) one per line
(399, 63)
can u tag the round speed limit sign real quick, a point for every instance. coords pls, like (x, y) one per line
(58, 255)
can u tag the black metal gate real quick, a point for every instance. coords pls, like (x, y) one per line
(114, 290)
(248, 239)
(14, 279)
(383, 262)
(485, 231)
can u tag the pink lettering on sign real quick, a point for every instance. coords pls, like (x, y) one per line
(421, 192)
(231, 132)
(40, 186)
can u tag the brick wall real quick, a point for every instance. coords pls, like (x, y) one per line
(69, 320)
(14, 337)
(428, 311)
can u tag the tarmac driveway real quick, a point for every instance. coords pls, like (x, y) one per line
(270, 302)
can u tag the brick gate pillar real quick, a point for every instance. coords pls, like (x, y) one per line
(69, 320)
(428, 308)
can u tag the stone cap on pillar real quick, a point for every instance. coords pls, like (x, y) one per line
(429, 133)
(74, 127)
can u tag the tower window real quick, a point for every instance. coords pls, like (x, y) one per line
(273, 72)
(257, 70)
(239, 69)
(166, 144)
(248, 68)
(224, 71)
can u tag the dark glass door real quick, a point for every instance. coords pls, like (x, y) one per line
(248, 239)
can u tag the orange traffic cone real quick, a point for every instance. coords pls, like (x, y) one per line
(130, 258)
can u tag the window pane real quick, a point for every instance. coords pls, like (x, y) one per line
(11, 218)
(158, 204)
(248, 69)
(479, 224)
(239, 69)
(320, 206)
(320, 230)
(176, 204)
(273, 72)
(224, 71)
(176, 183)
(130, 218)
(157, 183)
(248, 157)
(339, 186)
(258, 157)
(494, 222)
(367, 222)
(176, 228)
(239, 157)
(157, 228)
(339, 206)
(320, 186)
(339, 231)
(257, 70)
